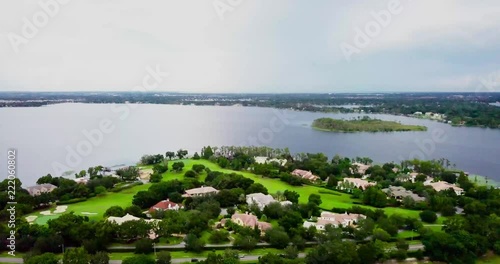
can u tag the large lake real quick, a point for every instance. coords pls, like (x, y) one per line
(65, 137)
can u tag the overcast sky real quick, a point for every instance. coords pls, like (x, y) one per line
(249, 45)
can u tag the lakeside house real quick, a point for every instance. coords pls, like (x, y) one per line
(305, 175)
(442, 185)
(265, 160)
(165, 205)
(129, 217)
(202, 191)
(41, 188)
(399, 193)
(350, 183)
(360, 167)
(335, 220)
(248, 220)
(262, 200)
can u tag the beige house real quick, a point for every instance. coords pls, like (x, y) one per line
(305, 175)
(42, 188)
(248, 220)
(442, 185)
(360, 168)
(350, 183)
(202, 191)
(400, 193)
(335, 220)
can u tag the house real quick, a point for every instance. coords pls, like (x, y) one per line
(82, 180)
(128, 217)
(305, 175)
(361, 168)
(265, 160)
(349, 183)
(335, 220)
(262, 200)
(41, 188)
(202, 191)
(442, 185)
(249, 220)
(400, 192)
(165, 205)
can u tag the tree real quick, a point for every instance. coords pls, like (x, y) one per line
(170, 155)
(181, 153)
(256, 188)
(277, 238)
(128, 173)
(198, 168)
(402, 244)
(190, 174)
(245, 242)
(335, 251)
(291, 252)
(196, 156)
(381, 234)
(163, 257)
(290, 219)
(178, 166)
(219, 237)
(100, 257)
(100, 190)
(155, 178)
(134, 210)
(315, 198)
(139, 259)
(375, 197)
(428, 216)
(292, 196)
(193, 243)
(207, 152)
(144, 246)
(76, 256)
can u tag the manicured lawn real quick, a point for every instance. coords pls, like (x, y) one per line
(407, 234)
(183, 254)
(97, 205)
(330, 198)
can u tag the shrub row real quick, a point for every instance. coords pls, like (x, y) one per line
(121, 188)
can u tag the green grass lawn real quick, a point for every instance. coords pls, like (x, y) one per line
(407, 234)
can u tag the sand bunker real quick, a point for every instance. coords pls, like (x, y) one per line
(60, 209)
(145, 174)
(31, 218)
(87, 213)
(45, 213)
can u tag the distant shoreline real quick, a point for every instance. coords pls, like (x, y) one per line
(365, 124)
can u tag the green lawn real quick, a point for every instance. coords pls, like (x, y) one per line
(330, 199)
(183, 254)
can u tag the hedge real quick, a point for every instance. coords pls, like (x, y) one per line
(119, 189)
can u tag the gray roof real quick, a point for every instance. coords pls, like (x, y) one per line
(398, 191)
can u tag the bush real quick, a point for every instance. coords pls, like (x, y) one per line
(144, 246)
(163, 257)
(71, 201)
(219, 236)
(140, 259)
(190, 174)
(100, 190)
(428, 216)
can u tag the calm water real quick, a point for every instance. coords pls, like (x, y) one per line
(56, 138)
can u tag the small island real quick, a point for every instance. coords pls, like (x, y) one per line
(364, 124)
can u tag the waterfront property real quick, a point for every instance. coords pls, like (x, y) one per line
(41, 188)
(202, 191)
(165, 205)
(335, 220)
(262, 200)
(399, 193)
(248, 220)
(350, 183)
(442, 185)
(307, 175)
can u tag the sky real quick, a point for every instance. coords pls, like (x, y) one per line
(250, 46)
